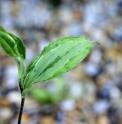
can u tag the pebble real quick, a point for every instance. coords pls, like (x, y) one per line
(92, 69)
(47, 120)
(31, 106)
(4, 102)
(101, 106)
(14, 97)
(30, 55)
(102, 120)
(115, 93)
(11, 74)
(96, 56)
(117, 35)
(75, 29)
(67, 105)
(5, 114)
(76, 90)
(103, 94)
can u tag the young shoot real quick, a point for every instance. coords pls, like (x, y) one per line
(57, 58)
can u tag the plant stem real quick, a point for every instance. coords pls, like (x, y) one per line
(20, 86)
(21, 110)
(22, 103)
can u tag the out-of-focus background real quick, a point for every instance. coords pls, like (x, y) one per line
(91, 93)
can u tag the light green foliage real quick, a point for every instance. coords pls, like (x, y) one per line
(46, 96)
(13, 46)
(58, 57)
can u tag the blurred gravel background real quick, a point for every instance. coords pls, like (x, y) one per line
(91, 93)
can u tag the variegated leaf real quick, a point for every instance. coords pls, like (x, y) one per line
(14, 47)
(58, 57)
(11, 44)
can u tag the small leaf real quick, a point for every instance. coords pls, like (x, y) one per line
(14, 47)
(41, 95)
(58, 57)
(11, 44)
(44, 96)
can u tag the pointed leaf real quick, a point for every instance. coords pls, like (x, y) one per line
(11, 44)
(14, 47)
(58, 57)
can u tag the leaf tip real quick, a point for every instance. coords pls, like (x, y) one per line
(97, 43)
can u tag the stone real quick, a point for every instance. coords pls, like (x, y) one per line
(4, 102)
(47, 120)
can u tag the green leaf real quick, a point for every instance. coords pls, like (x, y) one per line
(11, 44)
(58, 57)
(40, 95)
(14, 47)
(44, 96)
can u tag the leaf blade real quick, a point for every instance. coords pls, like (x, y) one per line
(64, 54)
(11, 44)
(14, 47)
